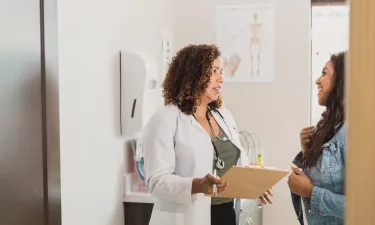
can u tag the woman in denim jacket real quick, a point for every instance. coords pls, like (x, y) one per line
(320, 181)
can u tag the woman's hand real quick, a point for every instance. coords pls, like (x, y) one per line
(300, 184)
(266, 197)
(204, 185)
(305, 137)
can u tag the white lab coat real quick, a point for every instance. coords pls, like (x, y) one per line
(177, 149)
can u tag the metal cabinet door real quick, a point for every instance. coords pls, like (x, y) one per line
(21, 151)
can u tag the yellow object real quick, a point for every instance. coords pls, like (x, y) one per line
(259, 160)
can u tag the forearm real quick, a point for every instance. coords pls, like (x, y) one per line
(171, 187)
(325, 203)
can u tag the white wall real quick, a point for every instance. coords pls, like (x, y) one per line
(275, 111)
(90, 146)
(91, 33)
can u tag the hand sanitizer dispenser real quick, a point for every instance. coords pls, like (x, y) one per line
(140, 91)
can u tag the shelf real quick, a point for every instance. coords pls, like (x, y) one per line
(129, 195)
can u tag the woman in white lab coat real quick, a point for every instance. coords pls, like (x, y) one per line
(188, 140)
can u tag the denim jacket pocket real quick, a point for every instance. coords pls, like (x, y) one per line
(327, 163)
(331, 167)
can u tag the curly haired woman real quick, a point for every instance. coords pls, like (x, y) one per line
(191, 140)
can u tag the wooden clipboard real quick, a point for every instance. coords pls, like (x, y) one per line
(250, 182)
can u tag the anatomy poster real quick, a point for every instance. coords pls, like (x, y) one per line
(245, 36)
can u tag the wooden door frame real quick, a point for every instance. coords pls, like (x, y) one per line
(360, 110)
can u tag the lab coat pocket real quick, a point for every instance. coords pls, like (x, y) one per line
(185, 155)
(194, 156)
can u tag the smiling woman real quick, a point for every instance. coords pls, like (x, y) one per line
(331, 95)
(191, 142)
(322, 159)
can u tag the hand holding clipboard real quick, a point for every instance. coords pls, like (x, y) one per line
(250, 182)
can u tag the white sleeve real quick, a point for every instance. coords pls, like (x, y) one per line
(159, 161)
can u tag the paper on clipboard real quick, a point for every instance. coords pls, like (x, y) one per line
(250, 182)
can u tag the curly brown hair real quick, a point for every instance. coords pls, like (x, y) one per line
(188, 77)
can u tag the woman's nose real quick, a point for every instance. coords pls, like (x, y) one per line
(317, 81)
(220, 78)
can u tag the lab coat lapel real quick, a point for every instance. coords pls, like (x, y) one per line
(194, 122)
(230, 133)
(221, 123)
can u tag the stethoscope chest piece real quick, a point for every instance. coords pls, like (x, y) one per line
(220, 164)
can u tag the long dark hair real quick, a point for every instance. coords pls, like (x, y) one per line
(332, 116)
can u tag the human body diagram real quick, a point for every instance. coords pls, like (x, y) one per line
(255, 35)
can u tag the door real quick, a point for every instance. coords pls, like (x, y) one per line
(330, 29)
(21, 138)
(360, 110)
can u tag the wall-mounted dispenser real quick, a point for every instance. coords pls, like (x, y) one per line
(140, 93)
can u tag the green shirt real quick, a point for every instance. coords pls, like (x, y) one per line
(230, 154)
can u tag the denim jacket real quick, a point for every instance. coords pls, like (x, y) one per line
(326, 206)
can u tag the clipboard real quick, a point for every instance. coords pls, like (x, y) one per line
(249, 182)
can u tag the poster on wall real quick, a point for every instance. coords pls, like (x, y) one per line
(245, 35)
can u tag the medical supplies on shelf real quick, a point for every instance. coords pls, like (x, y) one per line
(139, 184)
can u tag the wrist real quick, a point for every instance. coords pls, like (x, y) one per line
(195, 186)
(309, 191)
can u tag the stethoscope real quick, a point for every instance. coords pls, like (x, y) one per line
(220, 164)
